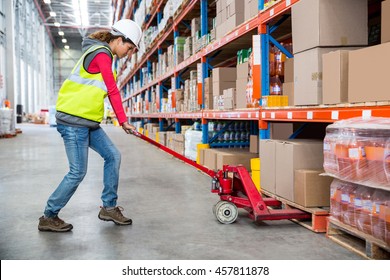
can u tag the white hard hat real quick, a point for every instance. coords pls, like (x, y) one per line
(128, 29)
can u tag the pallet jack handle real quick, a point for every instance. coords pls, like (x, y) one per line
(206, 170)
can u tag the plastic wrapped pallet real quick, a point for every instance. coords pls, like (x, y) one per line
(192, 139)
(7, 122)
(358, 150)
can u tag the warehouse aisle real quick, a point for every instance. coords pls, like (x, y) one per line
(170, 204)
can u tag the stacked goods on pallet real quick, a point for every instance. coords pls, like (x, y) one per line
(289, 166)
(363, 208)
(357, 152)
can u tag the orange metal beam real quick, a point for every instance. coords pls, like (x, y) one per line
(276, 10)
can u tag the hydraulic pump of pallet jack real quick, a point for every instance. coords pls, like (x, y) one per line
(221, 183)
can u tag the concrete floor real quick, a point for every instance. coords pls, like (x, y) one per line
(170, 204)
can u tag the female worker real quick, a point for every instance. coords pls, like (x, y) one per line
(80, 109)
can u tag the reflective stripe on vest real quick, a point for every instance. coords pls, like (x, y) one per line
(82, 94)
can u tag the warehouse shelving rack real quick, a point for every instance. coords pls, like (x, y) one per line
(260, 24)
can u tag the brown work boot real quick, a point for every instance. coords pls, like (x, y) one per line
(114, 215)
(53, 224)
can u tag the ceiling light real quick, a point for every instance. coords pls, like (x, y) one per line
(80, 10)
(57, 24)
(47, 1)
(64, 40)
(66, 47)
(61, 33)
(53, 14)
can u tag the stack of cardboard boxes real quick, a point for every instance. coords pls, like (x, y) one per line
(230, 13)
(359, 75)
(288, 168)
(319, 27)
(241, 84)
(223, 78)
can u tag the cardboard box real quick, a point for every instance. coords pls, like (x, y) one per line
(241, 93)
(335, 77)
(229, 103)
(308, 75)
(326, 23)
(229, 93)
(208, 101)
(242, 70)
(251, 9)
(292, 155)
(254, 144)
(210, 158)
(267, 170)
(224, 74)
(288, 90)
(235, 7)
(281, 131)
(385, 22)
(311, 189)
(289, 70)
(202, 156)
(219, 87)
(234, 158)
(208, 86)
(369, 74)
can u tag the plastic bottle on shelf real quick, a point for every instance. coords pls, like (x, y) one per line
(237, 137)
(272, 61)
(275, 86)
(363, 209)
(219, 126)
(335, 199)
(280, 58)
(378, 216)
(348, 191)
(226, 136)
(232, 136)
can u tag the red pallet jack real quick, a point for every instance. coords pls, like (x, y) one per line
(236, 190)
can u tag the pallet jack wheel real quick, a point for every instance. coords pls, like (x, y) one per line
(226, 212)
(216, 205)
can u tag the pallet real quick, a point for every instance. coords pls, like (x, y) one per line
(359, 242)
(341, 105)
(318, 221)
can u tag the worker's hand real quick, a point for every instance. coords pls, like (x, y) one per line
(128, 128)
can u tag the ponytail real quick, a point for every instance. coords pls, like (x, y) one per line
(104, 36)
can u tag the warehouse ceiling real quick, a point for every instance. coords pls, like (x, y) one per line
(75, 18)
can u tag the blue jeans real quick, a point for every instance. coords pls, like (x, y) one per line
(77, 141)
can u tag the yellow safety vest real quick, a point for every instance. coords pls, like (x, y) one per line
(82, 94)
